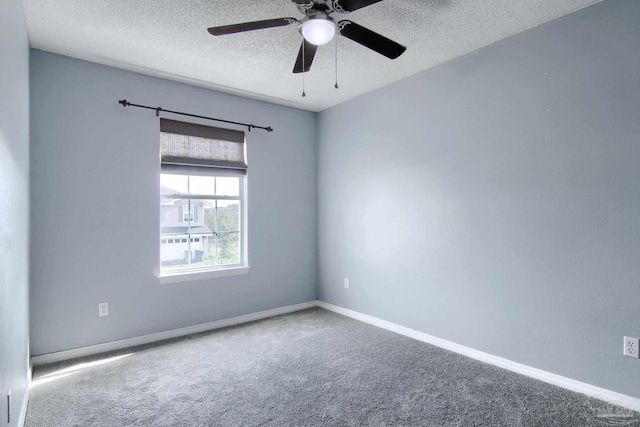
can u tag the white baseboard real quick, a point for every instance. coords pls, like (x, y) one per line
(538, 374)
(174, 333)
(25, 402)
(25, 399)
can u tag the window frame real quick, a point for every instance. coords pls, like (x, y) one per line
(200, 273)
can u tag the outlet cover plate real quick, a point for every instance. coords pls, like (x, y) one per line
(631, 347)
(103, 309)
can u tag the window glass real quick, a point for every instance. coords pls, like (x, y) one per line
(227, 248)
(202, 227)
(227, 186)
(173, 184)
(202, 185)
(228, 215)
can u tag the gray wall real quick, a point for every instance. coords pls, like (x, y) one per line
(14, 207)
(95, 207)
(494, 201)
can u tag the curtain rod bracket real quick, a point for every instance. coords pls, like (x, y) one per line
(126, 103)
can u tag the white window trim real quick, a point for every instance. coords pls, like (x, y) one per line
(187, 276)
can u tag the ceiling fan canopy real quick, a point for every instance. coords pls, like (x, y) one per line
(318, 27)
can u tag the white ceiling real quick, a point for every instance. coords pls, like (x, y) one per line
(169, 38)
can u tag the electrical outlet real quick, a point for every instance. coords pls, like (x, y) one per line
(346, 283)
(103, 309)
(631, 347)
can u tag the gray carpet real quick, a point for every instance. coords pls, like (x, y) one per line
(311, 368)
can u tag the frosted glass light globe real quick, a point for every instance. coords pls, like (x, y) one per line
(318, 31)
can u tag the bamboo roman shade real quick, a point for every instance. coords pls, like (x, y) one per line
(196, 149)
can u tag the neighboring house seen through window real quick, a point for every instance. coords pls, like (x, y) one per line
(202, 221)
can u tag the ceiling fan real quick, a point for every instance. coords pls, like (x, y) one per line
(318, 27)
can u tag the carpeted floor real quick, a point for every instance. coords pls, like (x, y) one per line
(311, 368)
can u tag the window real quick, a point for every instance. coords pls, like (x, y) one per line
(187, 213)
(202, 197)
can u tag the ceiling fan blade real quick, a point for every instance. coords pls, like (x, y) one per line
(250, 26)
(346, 6)
(309, 53)
(370, 39)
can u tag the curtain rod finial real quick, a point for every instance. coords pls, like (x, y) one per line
(123, 102)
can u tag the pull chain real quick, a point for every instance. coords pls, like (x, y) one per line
(336, 86)
(303, 49)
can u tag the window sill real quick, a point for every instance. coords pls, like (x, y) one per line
(186, 276)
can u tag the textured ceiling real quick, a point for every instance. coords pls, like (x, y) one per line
(169, 38)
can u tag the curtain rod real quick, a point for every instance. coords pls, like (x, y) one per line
(126, 103)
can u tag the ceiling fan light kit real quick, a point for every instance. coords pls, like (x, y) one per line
(318, 28)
